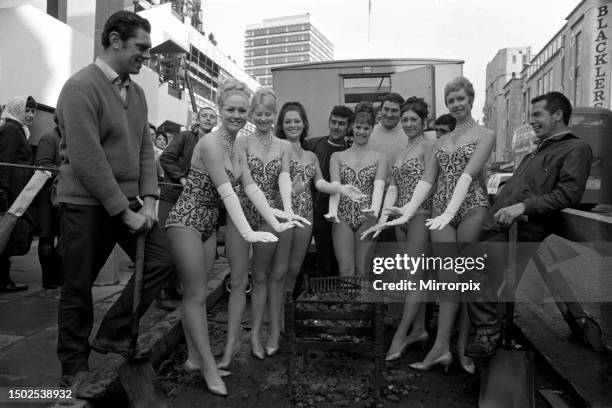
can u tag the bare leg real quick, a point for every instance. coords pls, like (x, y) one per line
(362, 249)
(449, 303)
(262, 258)
(414, 307)
(342, 235)
(237, 250)
(299, 247)
(468, 231)
(276, 288)
(194, 260)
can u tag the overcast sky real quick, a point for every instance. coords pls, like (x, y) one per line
(471, 30)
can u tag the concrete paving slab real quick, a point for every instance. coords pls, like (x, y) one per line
(31, 362)
(25, 317)
(8, 339)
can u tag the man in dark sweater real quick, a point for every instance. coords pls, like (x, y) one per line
(176, 162)
(107, 163)
(551, 178)
(340, 121)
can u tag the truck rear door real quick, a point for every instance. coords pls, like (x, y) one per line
(416, 82)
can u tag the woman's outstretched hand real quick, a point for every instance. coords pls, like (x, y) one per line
(352, 192)
(259, 236)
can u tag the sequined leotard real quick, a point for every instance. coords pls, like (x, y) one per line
(265, 175)
(451, 167)
(407, 174)
(351, 212)
(198, 205)
(301, 203)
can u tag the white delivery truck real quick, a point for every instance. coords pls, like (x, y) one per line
(321, 85)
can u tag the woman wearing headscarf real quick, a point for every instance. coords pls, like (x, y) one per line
(15, 149)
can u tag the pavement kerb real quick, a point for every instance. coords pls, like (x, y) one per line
(161, 339)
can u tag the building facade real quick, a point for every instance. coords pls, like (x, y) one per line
(504, 67)
(576, 61)
(62, 36)
(283, 41)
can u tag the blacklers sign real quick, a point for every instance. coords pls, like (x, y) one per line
(601, 56)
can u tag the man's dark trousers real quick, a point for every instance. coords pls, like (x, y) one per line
(326, 264)
(482, 305)
(88, 236)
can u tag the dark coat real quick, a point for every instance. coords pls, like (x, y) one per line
(15, 149)
(176, 162)
(48, 155)
(551, 178)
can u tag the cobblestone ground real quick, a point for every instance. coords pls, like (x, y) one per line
(330, 379)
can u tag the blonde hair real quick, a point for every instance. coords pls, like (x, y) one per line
(265, 97)
(457, 84)
(231, 87)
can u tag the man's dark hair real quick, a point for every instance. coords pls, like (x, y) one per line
(125, 24)
(151, 126)
(555, 101)
(292, 107)
(446, 120)
(343, 112)
(31, 102)
(393, 97)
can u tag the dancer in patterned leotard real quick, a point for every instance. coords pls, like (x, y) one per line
(365, 169)
(191, 226)
(451, 166)
(253, 200)
(304, 169)
(407, 171)
(265, 160)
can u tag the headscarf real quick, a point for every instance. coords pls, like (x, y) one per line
(15, 109)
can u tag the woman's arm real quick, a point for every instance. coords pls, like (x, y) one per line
(284, 179)
(323, 186)
(379, 185)
(256, 196)
(212, 155)
(334, 199)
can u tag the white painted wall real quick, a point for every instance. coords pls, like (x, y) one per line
(47, 53)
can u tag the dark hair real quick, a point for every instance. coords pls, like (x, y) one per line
(292, 107)
(365, 109)
(343, 112)
(417, 105)
(31, 103)
(151, 126)
(124, 23)
(555, 101)
(162, 134)
(393, 97)
(446, 120)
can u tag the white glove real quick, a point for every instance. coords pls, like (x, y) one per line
(419, 195)
(461, 189)
(260, 202)
(232, 205)
(332, 214)
(348, 190)
(377, 197)
(390, 199)
(298, 219)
